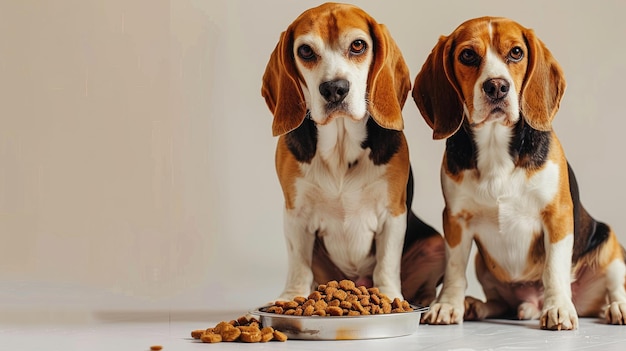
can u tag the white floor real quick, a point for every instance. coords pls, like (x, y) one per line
(121, 331)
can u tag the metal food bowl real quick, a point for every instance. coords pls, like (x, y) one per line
(343, 327)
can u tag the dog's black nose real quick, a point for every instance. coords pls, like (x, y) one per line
(496, 88)
(335, 91)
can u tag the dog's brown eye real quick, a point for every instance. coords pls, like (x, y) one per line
(306, 52)
(469, 57)
(358, 47)
(516, 54)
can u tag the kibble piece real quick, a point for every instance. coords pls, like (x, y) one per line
(358, 307)
(375, 299)
(196, 334)
(156, 347)
(279, 336)
(346, 284)
(364, 290)
(340, 295)
(384, 297)
(334, 311)
(321, 287)
(373, 291)
(346, 304)
(291, 305)
(249, 329)
(334, 303)
(320, 313)
(220, 326)
(308, 310)
(230, 334)
(329, 293)
(320, 305)
(386, 306)
(267, 337)
(267, 334)
(251, 336)
(243, 320)
(211, 338)
(299, 299)
(315, 296)
(333, 283)
(275, 309)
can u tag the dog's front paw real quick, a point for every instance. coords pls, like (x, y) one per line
(391, 293)
(527, 311)
(559, 316)
(475, 309)
(443, 313)
(615, 313)
(390, 288)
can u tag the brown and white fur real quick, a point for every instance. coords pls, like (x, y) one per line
(492, 89)
(336, 84)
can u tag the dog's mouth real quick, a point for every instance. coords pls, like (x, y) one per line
(336, 107)
(497, 111)
(338, 110)
(495, 114)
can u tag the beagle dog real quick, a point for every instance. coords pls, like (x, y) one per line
(336, 84)
(492, 89)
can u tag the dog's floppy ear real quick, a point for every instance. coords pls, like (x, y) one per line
(281, 88)
(389, 81)
(543, 85)
(436, 91)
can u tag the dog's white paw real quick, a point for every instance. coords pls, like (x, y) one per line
(559, 316)
(528, 310)
(444, 313)
(615, 313)
(391, 293)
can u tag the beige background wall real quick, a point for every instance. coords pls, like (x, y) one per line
(136, 156)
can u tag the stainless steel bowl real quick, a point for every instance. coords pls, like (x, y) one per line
(343, 327)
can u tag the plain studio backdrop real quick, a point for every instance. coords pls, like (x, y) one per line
(136, 155)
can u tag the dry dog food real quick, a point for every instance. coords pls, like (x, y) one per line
(334, 298)
(342, 298)
(241, 329)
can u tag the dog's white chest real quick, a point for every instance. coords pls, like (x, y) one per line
(501, 206)
(342, 198)
(346, 213)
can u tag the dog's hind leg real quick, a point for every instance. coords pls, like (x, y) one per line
(422, 267)
(615, 312)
